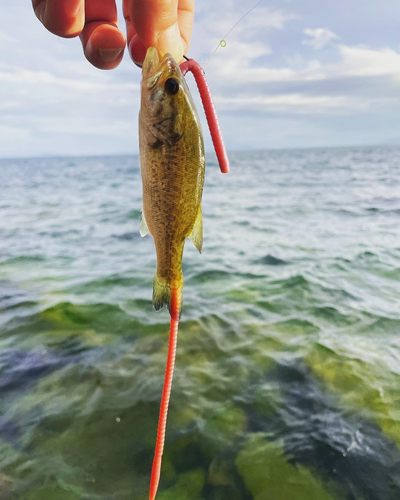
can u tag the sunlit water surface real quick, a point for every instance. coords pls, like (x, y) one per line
(287, 382)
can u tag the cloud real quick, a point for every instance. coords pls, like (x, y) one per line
(220, 21)
(265, 17)
(245, 21)
(361, 80)
(17, 75)
(296, 103)
(282, 102)
(7, 38)
(363, 61)
(352, 61)
(319, 37)
(67, 107)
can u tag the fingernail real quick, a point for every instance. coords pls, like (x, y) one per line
(171, 41)
(109, 55)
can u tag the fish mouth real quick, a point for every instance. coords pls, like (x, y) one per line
(153, 67)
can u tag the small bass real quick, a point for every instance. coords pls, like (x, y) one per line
(172, 164)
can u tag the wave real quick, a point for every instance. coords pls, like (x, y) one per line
(270, 260)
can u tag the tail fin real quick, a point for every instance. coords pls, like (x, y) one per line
(175, 304)
(162, 295)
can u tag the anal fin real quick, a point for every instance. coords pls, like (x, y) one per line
(161, 293)
(143, 226)
(196, 236)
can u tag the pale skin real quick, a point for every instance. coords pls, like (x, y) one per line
(164, 24)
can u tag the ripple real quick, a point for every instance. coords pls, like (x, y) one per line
(270, 260)
(210, 275)
(24, 258)
(131, 236)
(298, 281)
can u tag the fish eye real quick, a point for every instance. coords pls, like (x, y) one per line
(171, 86)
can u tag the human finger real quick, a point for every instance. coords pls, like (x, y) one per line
(158, 23)
(137, 50)
(185, 21)
(63, 18)
(103, 43)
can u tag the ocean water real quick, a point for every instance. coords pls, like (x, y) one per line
(287, 382)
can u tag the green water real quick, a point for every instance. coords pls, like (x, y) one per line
(287, 372)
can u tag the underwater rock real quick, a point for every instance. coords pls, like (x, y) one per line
(5, 484)
(53, 493)
(188, 486)
(268, 474)
(350, 453)
(361, 383)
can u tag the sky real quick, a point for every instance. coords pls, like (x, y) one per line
(294, 73)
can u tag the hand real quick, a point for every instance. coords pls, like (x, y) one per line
(164, 24)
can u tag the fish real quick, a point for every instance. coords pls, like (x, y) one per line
(172, 163)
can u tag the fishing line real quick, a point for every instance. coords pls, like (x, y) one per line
(222, 42)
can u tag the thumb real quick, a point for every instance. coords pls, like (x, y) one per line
(171, 41)
(156, 24)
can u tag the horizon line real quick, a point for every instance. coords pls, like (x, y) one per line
(289, 148)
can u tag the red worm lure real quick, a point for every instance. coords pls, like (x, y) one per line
(210, 111)
(175, 296)
(169, 373)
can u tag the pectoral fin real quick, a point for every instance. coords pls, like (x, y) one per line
(196, 236)
(143, 226)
